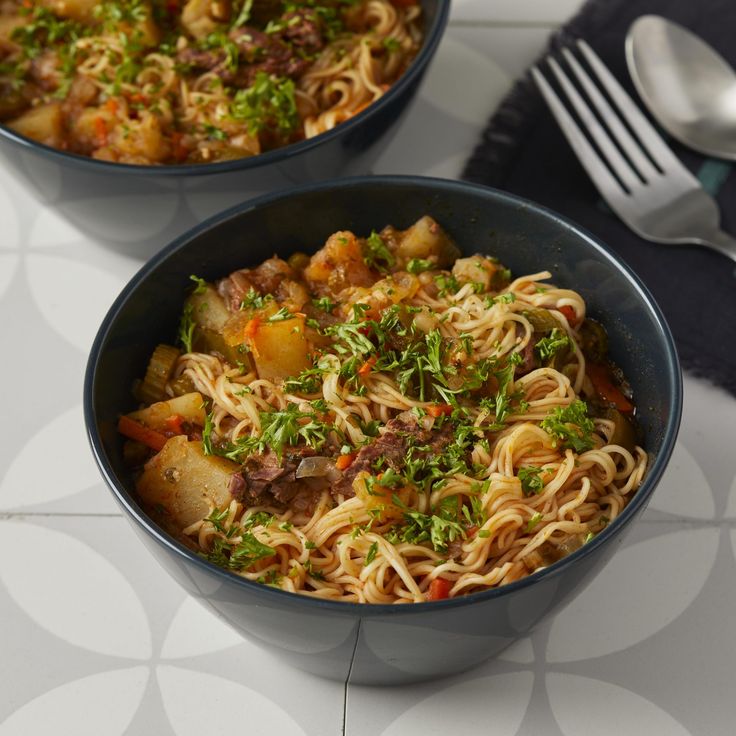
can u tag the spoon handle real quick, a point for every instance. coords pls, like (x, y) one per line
(723, 243)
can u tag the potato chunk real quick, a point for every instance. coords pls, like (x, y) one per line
(337, 265)
(425, 239)
(42, 124)
(185, 482)
(81, 10)
(196, 18)
(280, 349)
(188, 406)
(479, 270)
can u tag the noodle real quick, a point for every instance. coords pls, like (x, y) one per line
(150, 82)
(461, 437)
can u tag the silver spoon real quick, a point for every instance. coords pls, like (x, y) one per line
(688, 87)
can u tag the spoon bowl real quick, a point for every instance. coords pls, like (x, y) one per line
(688, 87)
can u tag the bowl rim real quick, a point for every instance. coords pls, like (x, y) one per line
(378, 610)
(413, 73)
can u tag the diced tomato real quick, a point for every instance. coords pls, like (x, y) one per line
(367, 367)
(471, 531)
(136, 431)
(439, 589)
(344, 461)
(101, 131)
(439, 410)
(602, 380)
(174, 423)
(569, 312)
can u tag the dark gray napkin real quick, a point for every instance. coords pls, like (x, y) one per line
(524, 152)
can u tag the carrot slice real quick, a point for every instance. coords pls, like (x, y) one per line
(569, 313)
(603, 384)
(345, 461)
(136, 431)
(367, 367)
(439, 410)
(439, 589)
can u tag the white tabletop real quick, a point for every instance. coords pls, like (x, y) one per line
(95, 638)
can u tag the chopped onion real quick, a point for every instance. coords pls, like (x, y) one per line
(311, 467)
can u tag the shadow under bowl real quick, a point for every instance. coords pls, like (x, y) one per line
(383, 644)
(133, 208)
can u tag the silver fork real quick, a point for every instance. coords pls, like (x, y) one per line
(661, 201)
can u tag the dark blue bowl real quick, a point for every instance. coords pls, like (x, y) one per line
(139, 207)
(383, 644)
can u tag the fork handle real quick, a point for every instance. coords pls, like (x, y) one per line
(723, 243)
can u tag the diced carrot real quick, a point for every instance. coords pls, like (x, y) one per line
(439, 588)
(569, 312)
(367, 367)
(471, 531)
(439, 410)
(112, 106)
(345, 461)
(602, 380)
(101, 131)
(251, 328)
(174, 423)
(179, 150)
(136, 431)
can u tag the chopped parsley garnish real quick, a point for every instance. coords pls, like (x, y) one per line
(418, 265)
(376, 253)
(570, 426)
(269, 102)
(253, 300)
(209, 426)
(241, 556)
(372, 551)
(447, 284)
(531, 480)
(201, 286)
(186, 328)
(281, 429)
(325, 304)
(532, 523)
(282, 315)
(548, 346)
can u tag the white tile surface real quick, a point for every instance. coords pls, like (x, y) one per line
(508, 12)
(90, 625)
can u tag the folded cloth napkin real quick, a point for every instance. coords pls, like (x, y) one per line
(524, 152)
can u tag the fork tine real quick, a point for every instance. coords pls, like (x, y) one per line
(632, 149)
(649, 137)
(619, 165)
(607, 185)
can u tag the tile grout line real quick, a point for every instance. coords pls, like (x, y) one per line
(347, 681)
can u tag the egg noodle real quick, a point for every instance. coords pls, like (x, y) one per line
(526, 473)
(145, 82)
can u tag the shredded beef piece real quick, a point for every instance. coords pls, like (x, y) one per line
(528, 358)
(391, 447)
(303, 29)
(269, 278)
(234, 288)
(200, 59)
(266, 480)
(257, 52)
